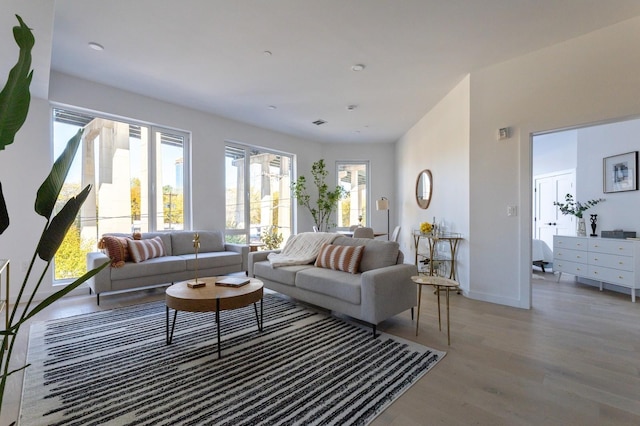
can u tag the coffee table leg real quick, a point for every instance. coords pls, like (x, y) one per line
(218, 324)
(173, 326)
(258, 319)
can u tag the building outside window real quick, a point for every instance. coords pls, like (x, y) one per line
(138, 179)
(258, 194)
(353, 176)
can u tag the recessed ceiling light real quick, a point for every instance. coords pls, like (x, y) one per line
(266, 53)
(96, 46)
(272, 107)
(357, 67)
(351, 107)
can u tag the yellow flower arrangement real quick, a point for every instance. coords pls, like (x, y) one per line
(426, 227)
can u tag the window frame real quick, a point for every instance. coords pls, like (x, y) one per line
(247, 148)
(152, 159)
(367, 192)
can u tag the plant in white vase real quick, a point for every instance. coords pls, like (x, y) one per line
(576, 208)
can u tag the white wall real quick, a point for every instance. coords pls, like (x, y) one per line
(585, 80)
(620, 209)
(438, 142)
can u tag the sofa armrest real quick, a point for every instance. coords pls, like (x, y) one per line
(243, 249)
(258, 256)
(102, 280)
(388, 291)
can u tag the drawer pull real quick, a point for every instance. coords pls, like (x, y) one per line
(577, 257)
(596, 246)
(621, 277)
(578, 244)
(620, 263)
(620, 248)
(595, 272)
(577, 269)
(596, 259)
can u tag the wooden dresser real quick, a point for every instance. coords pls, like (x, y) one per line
(609, 260)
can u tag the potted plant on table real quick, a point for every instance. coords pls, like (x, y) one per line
(576, 208)
(327, 201)
(14, 106)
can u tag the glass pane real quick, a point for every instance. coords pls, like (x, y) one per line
(234, 169)
(352, 210)
(70, 260)
(169, 180)
(270, 200)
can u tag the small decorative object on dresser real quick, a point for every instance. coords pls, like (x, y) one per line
(594, 220)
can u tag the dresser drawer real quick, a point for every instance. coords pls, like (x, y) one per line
(613, 276)
(570, 255)
(573, 268)
(611, 246)
(611, 261)
(571, 243)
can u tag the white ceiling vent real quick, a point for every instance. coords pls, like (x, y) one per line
(319, 122)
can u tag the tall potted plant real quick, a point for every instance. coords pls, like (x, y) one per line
(14, 106)
(327, 201)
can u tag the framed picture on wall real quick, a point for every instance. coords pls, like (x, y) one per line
(620, 172)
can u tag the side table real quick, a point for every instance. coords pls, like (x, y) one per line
(439, 283)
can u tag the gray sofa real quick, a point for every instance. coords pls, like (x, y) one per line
(381, 289)
(215, 257)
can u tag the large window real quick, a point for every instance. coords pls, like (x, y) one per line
(138, 179)
(258, 195)
(353, 176)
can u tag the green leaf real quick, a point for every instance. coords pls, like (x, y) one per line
(51, 187)
(63, 292)
(4, 213)
(15, 97)
(54, 234)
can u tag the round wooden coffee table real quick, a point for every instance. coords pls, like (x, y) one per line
(212, 298)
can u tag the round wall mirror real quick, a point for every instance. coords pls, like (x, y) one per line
(424, 187)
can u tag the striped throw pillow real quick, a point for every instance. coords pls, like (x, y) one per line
(340, 258)
(142, 250)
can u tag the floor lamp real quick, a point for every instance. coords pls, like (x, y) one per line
(383, 204)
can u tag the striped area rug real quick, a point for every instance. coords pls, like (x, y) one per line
(114, 367)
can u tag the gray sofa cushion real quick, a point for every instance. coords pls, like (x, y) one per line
(338, 284)
(156, 266)
(284, 274)
(210, 241)
(210, 260)
(377, 253)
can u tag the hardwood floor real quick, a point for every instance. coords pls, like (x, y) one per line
(574, 359)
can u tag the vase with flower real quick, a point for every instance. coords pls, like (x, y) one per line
(576, 208)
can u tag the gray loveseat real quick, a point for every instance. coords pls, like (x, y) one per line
(381, 289)
(179, 264)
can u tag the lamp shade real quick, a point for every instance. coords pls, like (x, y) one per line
(382, 204)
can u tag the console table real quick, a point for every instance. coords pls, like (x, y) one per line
(610, 260)
(434, 255)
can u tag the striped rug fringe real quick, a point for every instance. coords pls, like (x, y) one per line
(114, 367)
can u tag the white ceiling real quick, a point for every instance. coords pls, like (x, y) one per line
(209, 54)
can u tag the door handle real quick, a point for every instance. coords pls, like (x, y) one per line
(551, 223)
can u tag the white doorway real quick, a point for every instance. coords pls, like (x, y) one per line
(547, 219)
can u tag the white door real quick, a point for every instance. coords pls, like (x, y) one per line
(547, 219)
